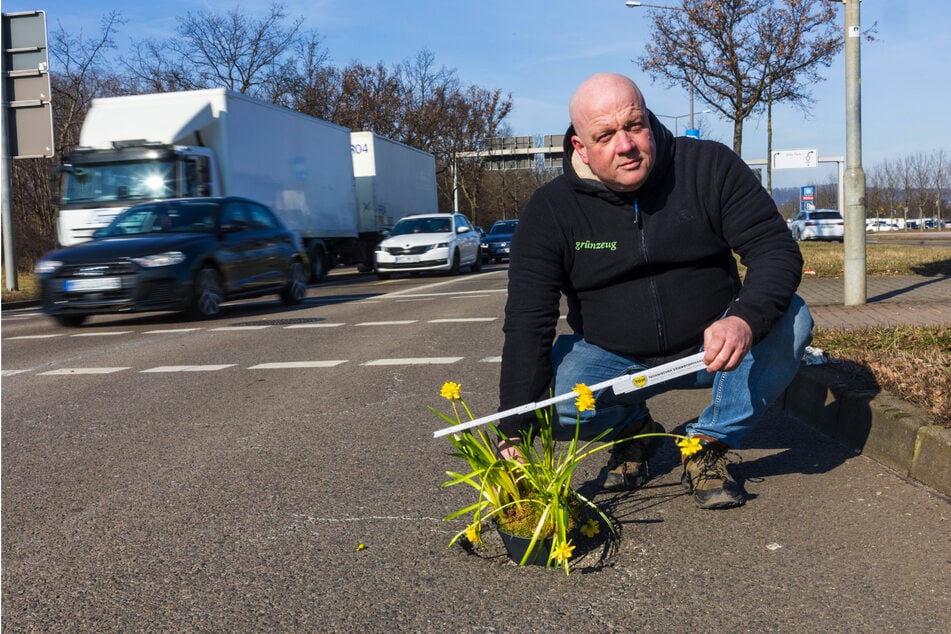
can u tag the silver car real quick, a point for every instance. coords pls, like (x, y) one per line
(818, 224)
(429, 242)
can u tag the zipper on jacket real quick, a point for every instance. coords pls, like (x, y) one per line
(660, 331)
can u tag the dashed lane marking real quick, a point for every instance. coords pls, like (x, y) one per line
(297, 364)
(67, 371)
(34, 337)
(234, 328)
(403, 322)
(332, 325)
(169, 331)
(418, 361)
(277, 365)
(190, 368)
(104, 333)
(461, 320)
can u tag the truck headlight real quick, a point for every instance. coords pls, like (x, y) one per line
(169, 258)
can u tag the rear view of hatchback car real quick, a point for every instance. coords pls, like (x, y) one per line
(818, 224)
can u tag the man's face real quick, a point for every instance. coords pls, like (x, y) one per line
(614, 139)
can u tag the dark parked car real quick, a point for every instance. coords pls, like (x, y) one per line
(188, 254)
(498, 241)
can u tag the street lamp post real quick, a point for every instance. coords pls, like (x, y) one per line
(678, 117)
(630, 4)
(855, 269)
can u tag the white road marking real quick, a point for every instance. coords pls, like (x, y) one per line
(297, 364)
(458, 320)
(33, 337)
(334, 325)
(108, 333)
(169, 331)
(189, 368)
(12, 372)
(491, 360)
(63, 371)
(417, 361)
(231, 328)
(403, 322)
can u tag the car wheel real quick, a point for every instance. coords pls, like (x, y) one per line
(70, 321)
(296, 289)
(207, 294)
(454, 269)
(476, 265)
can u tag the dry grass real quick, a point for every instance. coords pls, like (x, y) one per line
(825, 259)
(913, 363)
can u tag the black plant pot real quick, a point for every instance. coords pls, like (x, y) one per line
(517, 546)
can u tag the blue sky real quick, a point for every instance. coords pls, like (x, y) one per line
(540, 50)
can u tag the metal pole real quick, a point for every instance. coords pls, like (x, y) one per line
(692, 127)
(854, 212)
(6, 207)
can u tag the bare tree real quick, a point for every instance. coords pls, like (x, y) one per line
(739, 55)
(231, 50)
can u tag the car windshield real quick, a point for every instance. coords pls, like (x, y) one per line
(503, 227)
(184, 217)
(422, 225)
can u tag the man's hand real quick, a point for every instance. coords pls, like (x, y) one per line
(509, 449)
(725, 343)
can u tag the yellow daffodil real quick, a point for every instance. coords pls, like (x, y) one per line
(585, 400)
(591, 528)
(472, 534)
(563, 552)
(689, 446)
(450, 391)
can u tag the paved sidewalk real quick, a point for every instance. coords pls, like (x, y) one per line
(912, 300)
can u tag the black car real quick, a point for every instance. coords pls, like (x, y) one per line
(187, 254)
(497, 242)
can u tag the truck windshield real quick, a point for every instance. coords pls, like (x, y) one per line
(139, 180)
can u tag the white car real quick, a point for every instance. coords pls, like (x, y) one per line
(875, 225)
(429, 242)
(818, 224)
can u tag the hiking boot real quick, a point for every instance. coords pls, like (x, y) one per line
(627, 466)
(706, 477)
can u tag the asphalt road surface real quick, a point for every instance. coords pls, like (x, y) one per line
(165, 475)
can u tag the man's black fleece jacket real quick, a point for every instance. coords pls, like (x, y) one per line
(643, 273)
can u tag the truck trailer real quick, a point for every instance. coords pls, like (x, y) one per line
(217, 142)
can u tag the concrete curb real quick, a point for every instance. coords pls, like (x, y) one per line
(891, 431)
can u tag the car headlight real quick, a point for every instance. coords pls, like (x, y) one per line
(441, 245)
(168, 258)
(46, 266)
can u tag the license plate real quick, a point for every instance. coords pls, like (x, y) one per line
(405, 259)
(92, 284)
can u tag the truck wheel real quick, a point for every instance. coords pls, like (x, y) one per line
(296, 289)
(207, 294)
(70, 321)
(318, 264)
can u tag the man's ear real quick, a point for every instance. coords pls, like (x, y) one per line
(579, 148)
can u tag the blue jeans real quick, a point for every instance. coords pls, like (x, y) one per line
(738, 398)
